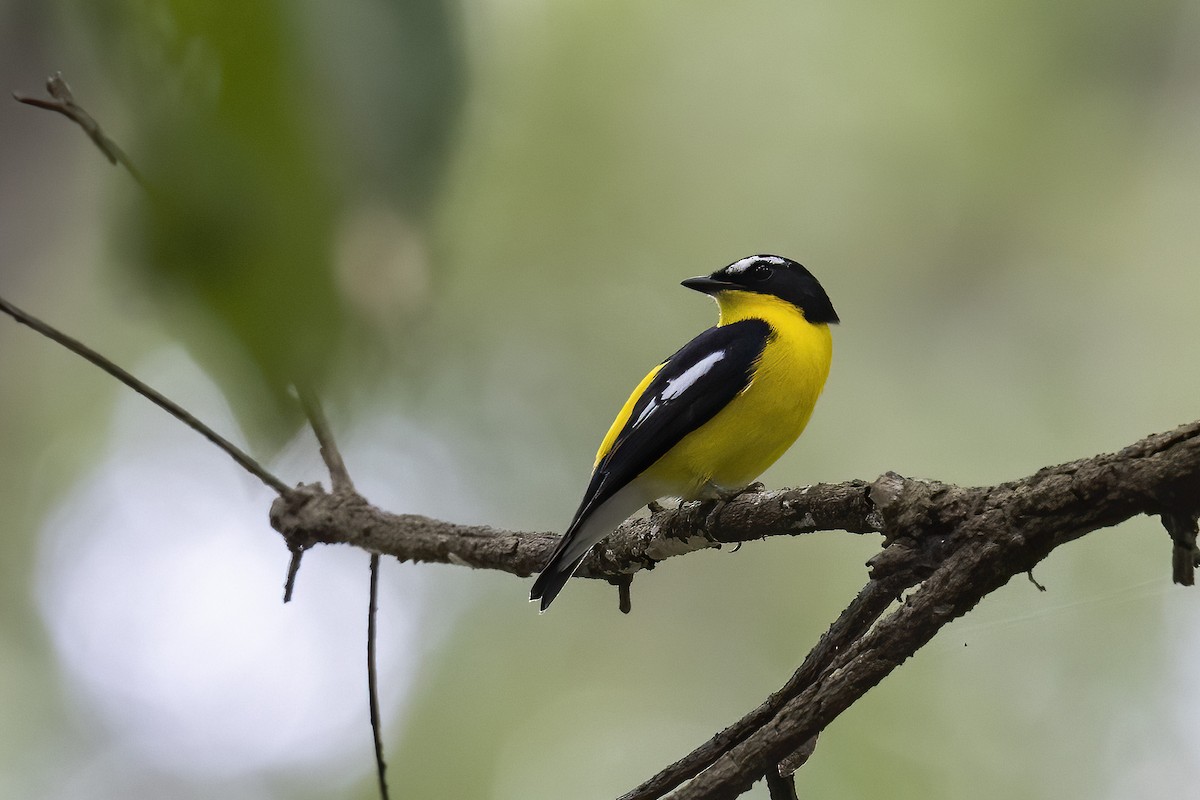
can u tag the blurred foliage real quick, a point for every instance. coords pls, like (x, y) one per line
(466, 222)
(252, 169)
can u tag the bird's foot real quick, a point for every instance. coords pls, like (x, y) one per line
(716, 503)
(727, 495)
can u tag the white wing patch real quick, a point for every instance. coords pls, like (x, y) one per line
(680, 384)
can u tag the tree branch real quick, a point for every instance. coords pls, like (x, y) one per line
(959, 544)
(853, 622)
(312, 516)
(1071, 499)
(170, 406)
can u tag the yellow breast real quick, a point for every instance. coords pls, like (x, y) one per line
(763, 421)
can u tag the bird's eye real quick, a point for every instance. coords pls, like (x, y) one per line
(759, 272)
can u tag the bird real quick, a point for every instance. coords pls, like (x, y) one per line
(707, 421)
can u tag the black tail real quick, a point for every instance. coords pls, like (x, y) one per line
(554, 576)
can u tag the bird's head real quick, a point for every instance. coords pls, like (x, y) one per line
(772, 275)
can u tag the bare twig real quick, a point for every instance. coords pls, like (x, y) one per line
(372, 679)
(1037, 584)
(64, 103)
(170, 406)
(289, 585)
(339, 476)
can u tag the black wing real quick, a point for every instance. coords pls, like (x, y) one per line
(693, 385)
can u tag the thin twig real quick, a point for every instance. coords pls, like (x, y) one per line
(338, 474)
(339, 477)
(170, 406)
(64, 103)
(372, 679)
(293, 569)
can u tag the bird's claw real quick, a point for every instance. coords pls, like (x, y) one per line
(718, 501)
(710, 520)
(728, 495)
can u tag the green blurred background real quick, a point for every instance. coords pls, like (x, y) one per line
(465, 224)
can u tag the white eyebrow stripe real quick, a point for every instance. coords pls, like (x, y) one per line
(738, 267)
(681, 383)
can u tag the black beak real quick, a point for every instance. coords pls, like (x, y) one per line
(706, 284)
